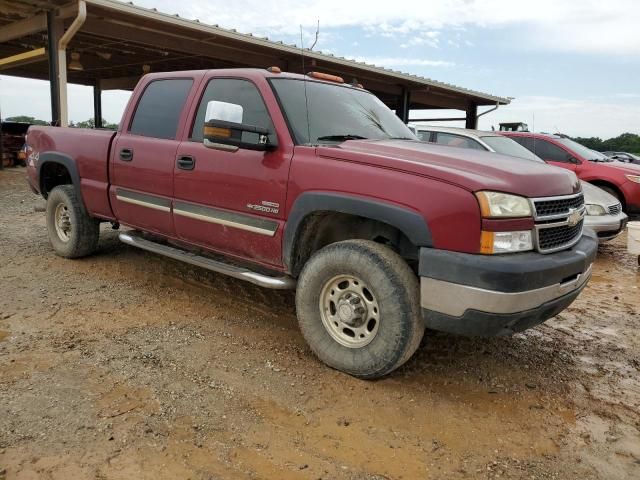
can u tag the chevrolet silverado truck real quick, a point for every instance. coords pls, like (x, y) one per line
(302, 181)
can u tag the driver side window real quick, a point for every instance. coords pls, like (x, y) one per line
(234, 91)
(548, 151)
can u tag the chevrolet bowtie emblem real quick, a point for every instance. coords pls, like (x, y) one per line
(574, 218)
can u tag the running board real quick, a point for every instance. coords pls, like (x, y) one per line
(280, 283)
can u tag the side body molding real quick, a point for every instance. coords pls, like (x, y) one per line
(409, 222)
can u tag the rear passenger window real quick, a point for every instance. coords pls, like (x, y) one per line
(457, 141)
(237, 91)
(159, 108)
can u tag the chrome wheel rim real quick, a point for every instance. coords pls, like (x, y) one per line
(62, 222)
(350, 311)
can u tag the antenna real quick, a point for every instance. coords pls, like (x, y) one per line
(304, 73)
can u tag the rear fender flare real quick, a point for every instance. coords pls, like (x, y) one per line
(64, 160)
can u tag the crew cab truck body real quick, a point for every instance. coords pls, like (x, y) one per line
(292, 181)
(622, 180)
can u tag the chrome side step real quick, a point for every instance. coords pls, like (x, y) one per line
(280, 283)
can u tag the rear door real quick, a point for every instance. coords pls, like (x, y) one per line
(233, 201)
(143, 155)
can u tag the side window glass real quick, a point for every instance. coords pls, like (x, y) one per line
(548, 151)
(453, 140)
(424, 135)
(158, 111)
(235, 91)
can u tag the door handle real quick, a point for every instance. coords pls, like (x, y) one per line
(126, 154)
(186, 162)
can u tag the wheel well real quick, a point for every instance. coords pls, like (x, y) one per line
(320, 229)
(611, 186)
(53, 174)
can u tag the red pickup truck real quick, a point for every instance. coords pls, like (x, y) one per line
(622, 180)
(303, 181)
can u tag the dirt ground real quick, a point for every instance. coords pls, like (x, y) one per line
(126, 365)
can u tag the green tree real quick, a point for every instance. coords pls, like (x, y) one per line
(627, 142)
(90, 123)
(26, 119)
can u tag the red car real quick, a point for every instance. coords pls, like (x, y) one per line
(621, 180)
(304, 182)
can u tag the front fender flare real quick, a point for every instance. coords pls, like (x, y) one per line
(409, 222)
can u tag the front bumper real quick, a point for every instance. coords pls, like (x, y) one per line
(607, 227)
(499, 295)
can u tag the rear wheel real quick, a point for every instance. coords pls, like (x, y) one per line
(358, 308)
(72, 232)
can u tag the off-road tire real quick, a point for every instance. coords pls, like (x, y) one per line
(84, 230)
(396, 290)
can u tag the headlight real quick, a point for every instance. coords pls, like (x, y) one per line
(503, 205)
(633, 178)
(506, 242)
(593, 209)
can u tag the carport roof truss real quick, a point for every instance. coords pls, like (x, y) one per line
(118, 42)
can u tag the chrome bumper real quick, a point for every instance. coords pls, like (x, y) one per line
(455, 300)
(606, 226)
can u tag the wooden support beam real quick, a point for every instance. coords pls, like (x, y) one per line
(32, 56)
(22, 28)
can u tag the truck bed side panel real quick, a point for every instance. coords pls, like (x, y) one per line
(89, 149)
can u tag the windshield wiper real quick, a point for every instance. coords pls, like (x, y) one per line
(401, 138)
(342, 137)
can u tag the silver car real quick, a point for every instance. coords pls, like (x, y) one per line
(604, 211)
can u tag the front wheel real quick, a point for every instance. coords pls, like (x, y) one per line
(358, 308)
(72, 232)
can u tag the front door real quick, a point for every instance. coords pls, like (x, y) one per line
(143, 156)
(232, 201)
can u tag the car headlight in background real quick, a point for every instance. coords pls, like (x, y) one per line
(503, 205)
(593, 209)
(633, 178)
(506, 242)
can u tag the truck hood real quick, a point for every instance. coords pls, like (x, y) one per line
(473, 170)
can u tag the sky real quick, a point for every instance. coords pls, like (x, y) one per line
(572, 65)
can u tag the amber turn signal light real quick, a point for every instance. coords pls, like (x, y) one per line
(217, 132)
(486, 242)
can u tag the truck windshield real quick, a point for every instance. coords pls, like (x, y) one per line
(507, 146)
(336, 113)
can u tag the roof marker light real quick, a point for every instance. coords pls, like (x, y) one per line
(326, 76)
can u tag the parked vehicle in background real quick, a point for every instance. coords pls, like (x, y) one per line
(604, 212)
(285, 181)
(623, 157)
(622, 180)
(514, 127)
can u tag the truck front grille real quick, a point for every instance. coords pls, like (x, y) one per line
(558, 206)
(558, 222)
(615, 209)
(557, 237)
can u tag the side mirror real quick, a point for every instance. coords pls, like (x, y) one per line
(223, 129)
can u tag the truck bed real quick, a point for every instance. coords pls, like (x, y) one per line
(89, 149)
